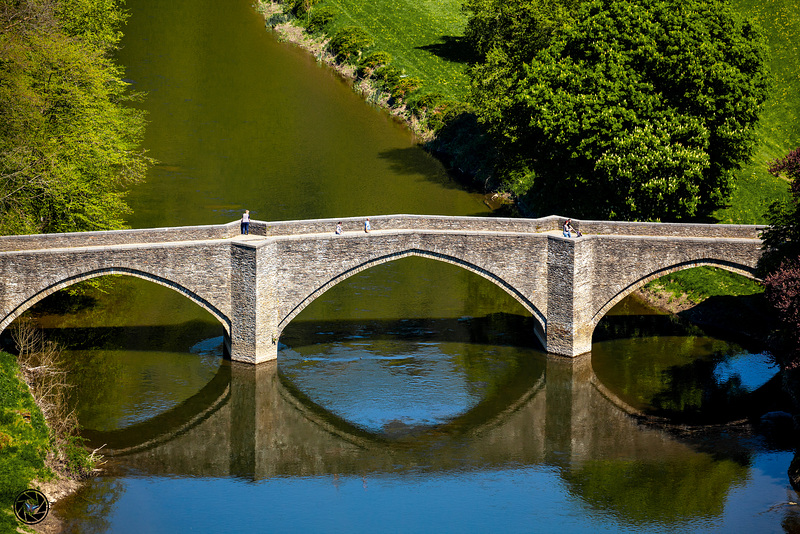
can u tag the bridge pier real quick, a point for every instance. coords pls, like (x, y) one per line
(254, 334)
(568, 330)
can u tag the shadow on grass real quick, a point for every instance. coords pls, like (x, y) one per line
(455, 49)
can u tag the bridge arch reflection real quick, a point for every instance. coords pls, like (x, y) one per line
(263, 428)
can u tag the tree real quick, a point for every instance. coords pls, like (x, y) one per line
(782, 238)
(780, 263)
(69, 143)
(633, 109)
(782, 291)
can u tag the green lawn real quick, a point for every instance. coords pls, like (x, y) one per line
(419, 35)
(779, 129)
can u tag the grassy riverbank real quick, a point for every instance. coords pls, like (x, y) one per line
(24, 440)
(38, 443)
(422, 38)
(715, 297)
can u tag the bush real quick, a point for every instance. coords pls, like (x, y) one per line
(320, 17)
(387, 76)
(444, 112)
(302, 7)
(421, 103)
(372, 62)
(404, 86)
(348, 42)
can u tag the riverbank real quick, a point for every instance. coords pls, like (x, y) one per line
(288, 32)
(31, 456)
(440, 121)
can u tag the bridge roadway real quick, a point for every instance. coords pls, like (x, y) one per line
(256, 284)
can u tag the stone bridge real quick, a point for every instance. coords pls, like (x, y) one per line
(256, 284)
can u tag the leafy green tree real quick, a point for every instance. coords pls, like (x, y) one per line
(69, 143)
(621, 109)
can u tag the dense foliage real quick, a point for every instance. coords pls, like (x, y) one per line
(782, 238)
(781, 260)
(618, 108)
(69, 144)
(782, 289)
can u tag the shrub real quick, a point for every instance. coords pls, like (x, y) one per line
(371, 62)
(320, 17)
(404, 86)
(444, 112)
(421, 103)
(302, 7)
(387, 76)
(348, 42)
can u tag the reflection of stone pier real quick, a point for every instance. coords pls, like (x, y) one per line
(258, 427)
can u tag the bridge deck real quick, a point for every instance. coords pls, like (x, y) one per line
(430, 223)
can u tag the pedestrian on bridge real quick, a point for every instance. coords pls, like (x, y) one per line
(338, 228)
(367, 226)
(246, 222)
(568, 228)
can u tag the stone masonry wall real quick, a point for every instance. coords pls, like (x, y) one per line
(306, 267)
(199, 270)
(118, 237)
(255, 286)
(622, 264)
(500, 224)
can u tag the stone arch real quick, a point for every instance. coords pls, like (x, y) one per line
(733, 267)
(74, 279)
(316, 293)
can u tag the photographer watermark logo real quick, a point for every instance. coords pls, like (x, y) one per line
(31, 506)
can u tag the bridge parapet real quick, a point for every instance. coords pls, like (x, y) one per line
(12, 243)
(409, 222)
(718, 231)
(380, 222)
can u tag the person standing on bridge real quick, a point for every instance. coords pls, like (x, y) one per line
(246, 222)
(568, 228)
(367, 226)
(339, 228)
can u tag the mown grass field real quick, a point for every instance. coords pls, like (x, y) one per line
(419, 35)
(779, 129)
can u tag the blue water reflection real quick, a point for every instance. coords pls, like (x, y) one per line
(524, 499)
(751, 371)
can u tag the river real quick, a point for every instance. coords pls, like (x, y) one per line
(412, 397)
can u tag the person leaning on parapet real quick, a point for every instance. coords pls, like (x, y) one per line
(367, 226)
(568, 228)
(338, 228)
(246, 222)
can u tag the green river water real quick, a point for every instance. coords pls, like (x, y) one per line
(412, 397)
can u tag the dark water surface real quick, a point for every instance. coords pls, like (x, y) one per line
(412, 397)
